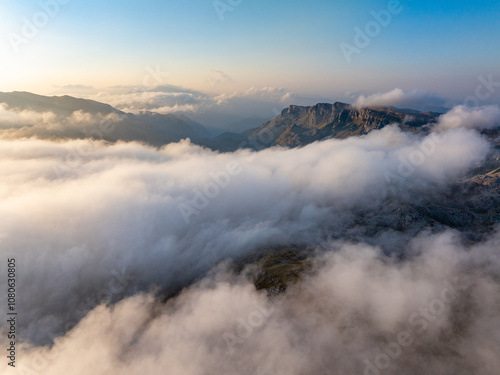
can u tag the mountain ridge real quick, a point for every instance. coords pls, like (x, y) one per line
(294, 126)
(303, 125)
(298, 125)
(149, 127)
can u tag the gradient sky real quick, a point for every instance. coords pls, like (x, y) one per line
(439, 46)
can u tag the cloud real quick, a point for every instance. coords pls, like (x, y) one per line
(139, 101)
(77, 90)
(100, 231)
(358, 312)
(26, 123)
(484, 117)
(236, 111)
(219, 77)
(11, 118)
(222, 111)
(182, 211)
(398, 97)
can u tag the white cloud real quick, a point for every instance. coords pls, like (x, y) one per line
(355, 306)
(280, 196)
(219, 77)
(160, 102)
(11, 118)
(117, 212)
(25, 124)
(220, 111)
(398, 97)
(77, 90)
(485, 117)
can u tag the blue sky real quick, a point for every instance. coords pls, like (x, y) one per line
(441, 47)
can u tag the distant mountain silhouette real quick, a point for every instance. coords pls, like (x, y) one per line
(148, 127)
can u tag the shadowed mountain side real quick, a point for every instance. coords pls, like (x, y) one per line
(60, 105)
(93, 120)
(66, 117)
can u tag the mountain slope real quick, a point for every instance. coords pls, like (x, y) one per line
(298, 126)
(61, 105)
(65, 117)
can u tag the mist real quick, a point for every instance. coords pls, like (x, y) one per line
(126, 250)
(357, 311)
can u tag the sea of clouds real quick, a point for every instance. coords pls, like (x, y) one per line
(100, 230)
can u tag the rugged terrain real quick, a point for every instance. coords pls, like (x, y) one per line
(298, 125)
(471, 205)
(65, 117)
(295, 126)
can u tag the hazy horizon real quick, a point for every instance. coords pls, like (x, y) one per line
(217, 48)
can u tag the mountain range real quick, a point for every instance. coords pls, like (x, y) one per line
(300, 125)
(294, 126)
(66, 117)
(148, 127)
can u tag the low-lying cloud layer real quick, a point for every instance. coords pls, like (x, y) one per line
(359, 312)
(92, 224)
(400, 98)
(485, 117)
(226, 111)
(16, 124)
